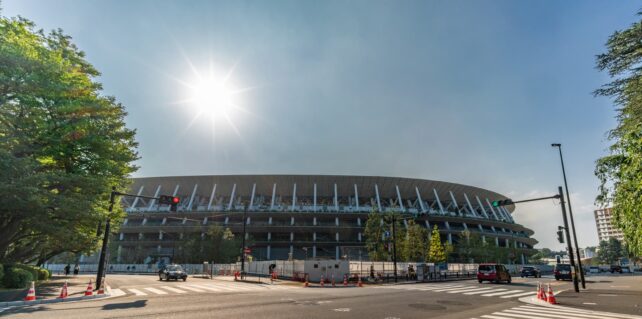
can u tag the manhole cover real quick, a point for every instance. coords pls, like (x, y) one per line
(424, 306)
(454, 302)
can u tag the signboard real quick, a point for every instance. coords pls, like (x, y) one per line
(247, 250)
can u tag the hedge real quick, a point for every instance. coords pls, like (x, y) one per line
(43, 274)
(17, 278)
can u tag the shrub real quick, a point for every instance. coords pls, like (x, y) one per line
(31, 269)
(43, 274)
(17, 278)
(1, 274)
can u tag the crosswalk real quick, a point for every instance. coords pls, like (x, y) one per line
(540, 312)
(487, 291)
(200, 287)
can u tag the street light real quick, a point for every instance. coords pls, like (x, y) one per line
(243, 241)
(570, 213)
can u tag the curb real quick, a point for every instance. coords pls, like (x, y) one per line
(53, 300)
(537, 302)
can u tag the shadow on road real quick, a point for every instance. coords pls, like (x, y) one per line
(126, 305)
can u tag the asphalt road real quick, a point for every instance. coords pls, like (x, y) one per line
(146, 297)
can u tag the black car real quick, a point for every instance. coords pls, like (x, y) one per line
(172, 271)
(529, 271)
(563, 272)
(616, 268)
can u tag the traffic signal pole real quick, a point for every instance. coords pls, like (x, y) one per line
(568, 240)
(394, 246)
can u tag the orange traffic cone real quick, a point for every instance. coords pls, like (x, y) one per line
(31, 295)
(543, 293)
(333, 280)
(306, 284)
(345, 280)
(90, 289)
(322, 281)
(63, 291)
(539, 291)
(101, 290)
(359, 283)
(551, 296)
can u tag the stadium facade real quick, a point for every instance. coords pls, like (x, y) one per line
(307, 216)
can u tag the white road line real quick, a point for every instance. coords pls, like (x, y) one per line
(520, 316)
(519, 295)
(447, 289)
(117, 292)
(484, 291)
(468, 290)
(556, 313)
(172, 289)
(207, 288)
(156, 291)
(495, 317)
(441, 287)
(523, 314)
(502, 293)
(232, 287)
(580, 311)
(192, 288)
(136, 292)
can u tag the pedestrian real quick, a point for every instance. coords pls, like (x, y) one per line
(76, 270)
(67, 269)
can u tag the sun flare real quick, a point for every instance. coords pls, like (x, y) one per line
(212, 97)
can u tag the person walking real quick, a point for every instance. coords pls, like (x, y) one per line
(67, 268)
(76, 270)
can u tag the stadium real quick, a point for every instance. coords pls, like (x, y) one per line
(306, 216)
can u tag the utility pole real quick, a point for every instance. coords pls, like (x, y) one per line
(103, 251)
(394, 246)
(243, 242)
(570, 213)
(568, 240)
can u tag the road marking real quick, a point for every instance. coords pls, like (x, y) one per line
(540, 312)
(116, 292)
(207, 287)
(589, 303)
(607, 295)
(573, 311)
(468, 290)
(519, 295)
(156, 291)
(192, 288)
(502, 293)
(557, 313)
(137, 292)
(484, 291)
(342, 309)
(495, 317)
(172, 289)
(448, 289)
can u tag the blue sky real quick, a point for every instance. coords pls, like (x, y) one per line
(472, 92)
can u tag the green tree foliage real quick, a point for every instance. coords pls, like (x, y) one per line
(620, 172)
(415, 243)
(436, 252)
(219, 245)
(62, 146)
(374, 234)
(471, 247)
(610, 251)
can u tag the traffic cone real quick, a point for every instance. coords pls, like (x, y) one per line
(333, 280)
(551, 296)
(322, 281)
(539, 291)
(543, 293)
(31, 295)
(306, 284)
(101, 290)
(90, 289)
(345, 280)
(63, 291)
(359, 283)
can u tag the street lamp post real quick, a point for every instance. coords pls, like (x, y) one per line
(568, 238)
(103, 252)
(570, 213)
(243, 241)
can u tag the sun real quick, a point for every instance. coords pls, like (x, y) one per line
(212, 96)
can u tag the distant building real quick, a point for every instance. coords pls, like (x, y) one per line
(588, 252)
(605, 227)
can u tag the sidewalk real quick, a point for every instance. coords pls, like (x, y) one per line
(50, 289)
(607, 300)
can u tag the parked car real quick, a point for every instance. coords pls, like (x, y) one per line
(616, 268)
(563, 272)
(172, 271)
(493, 272)
(530, 271)
(594, 269)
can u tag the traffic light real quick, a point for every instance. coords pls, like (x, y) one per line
(560, 235)
(172, 201)
(502, 202)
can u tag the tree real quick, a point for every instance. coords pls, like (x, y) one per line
(63, 146)
(415, 245)
(436, 253)
(620, 172)
(471, 247)
(374, 234)
(610, 251)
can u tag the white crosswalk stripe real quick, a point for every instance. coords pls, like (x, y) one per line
(481, 290)
(557, 312)
(137, 292)
(172, 289)
(192, 288)
(156, 291)
(203, 287)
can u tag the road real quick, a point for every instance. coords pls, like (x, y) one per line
(146, 297)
